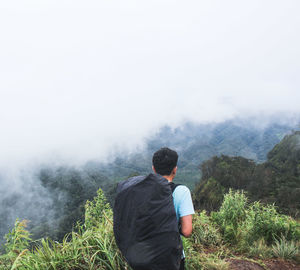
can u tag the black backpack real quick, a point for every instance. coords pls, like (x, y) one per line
(145, 224)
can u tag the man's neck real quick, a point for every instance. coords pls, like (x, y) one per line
(169, 177)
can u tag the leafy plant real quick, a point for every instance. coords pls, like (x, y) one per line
(265, 222)
(92, 247)
(231, 215)
(17, 242)
(96, 211)
(204, 231)
(285, 249)
(260, 249)
(18, 238)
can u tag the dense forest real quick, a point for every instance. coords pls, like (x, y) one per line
(53, 198)
(275, 181)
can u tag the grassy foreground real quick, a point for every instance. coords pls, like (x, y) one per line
(254, 232)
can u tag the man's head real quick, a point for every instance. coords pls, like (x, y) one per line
(165, 161)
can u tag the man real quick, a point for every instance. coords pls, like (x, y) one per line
(147, 213)
(164, 162)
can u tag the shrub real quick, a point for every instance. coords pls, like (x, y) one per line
(285, 249)
(96, 211)
(260, 249)
(265, 222)
(17, 242)
(231, 215)
(242, 225)
(204, 231)
(93, 247)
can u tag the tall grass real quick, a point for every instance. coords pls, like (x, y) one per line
(231, 216)
(265, 222)
(17, 242)
(260, 249)
(242, 224)
(252, 229)
(91, 247)
(285, 249)
(205, 232)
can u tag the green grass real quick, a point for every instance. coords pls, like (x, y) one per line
(91, 247)
(286, 249)
(237, 230)
(259, 249)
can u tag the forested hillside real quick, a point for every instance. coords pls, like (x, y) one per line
(275, 181)
(52, 198)
(54, 203)
(197, 143)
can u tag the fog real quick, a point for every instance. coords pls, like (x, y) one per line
(88, 80)
(82, 80)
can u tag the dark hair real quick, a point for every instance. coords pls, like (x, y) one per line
(164, 161)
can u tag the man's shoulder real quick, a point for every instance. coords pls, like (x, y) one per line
(181, 189)
(183, 201)
(181, 193)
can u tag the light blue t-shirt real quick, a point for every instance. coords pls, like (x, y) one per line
(183, 202)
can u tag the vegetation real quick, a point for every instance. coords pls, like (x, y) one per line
(61, 192)
(91, 247)
(64, 191)
(285, 249)
(249, 229)
(225, 232)
(275, 181)
(250, 222)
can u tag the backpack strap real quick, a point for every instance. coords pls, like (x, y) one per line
(174, 186)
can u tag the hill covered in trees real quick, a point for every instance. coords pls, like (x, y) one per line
(53, 197)
(196, 143)
(277, 180)
(52, 200)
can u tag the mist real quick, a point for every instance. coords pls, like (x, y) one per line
(89, 80)
(81, 81)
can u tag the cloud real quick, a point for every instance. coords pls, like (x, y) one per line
(82, 79)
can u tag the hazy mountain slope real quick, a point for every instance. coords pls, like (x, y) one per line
(54, 202)
(275, 181)
(197, 143)
(53, 198)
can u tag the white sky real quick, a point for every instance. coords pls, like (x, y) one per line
(79, 77)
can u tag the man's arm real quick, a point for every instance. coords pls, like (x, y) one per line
(184, 209)
(186, 225)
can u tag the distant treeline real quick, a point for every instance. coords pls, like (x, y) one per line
(275, 181)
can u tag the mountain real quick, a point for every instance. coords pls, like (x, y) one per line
(53, 200)
(53, 197)
(196, 143)
(277, 180)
